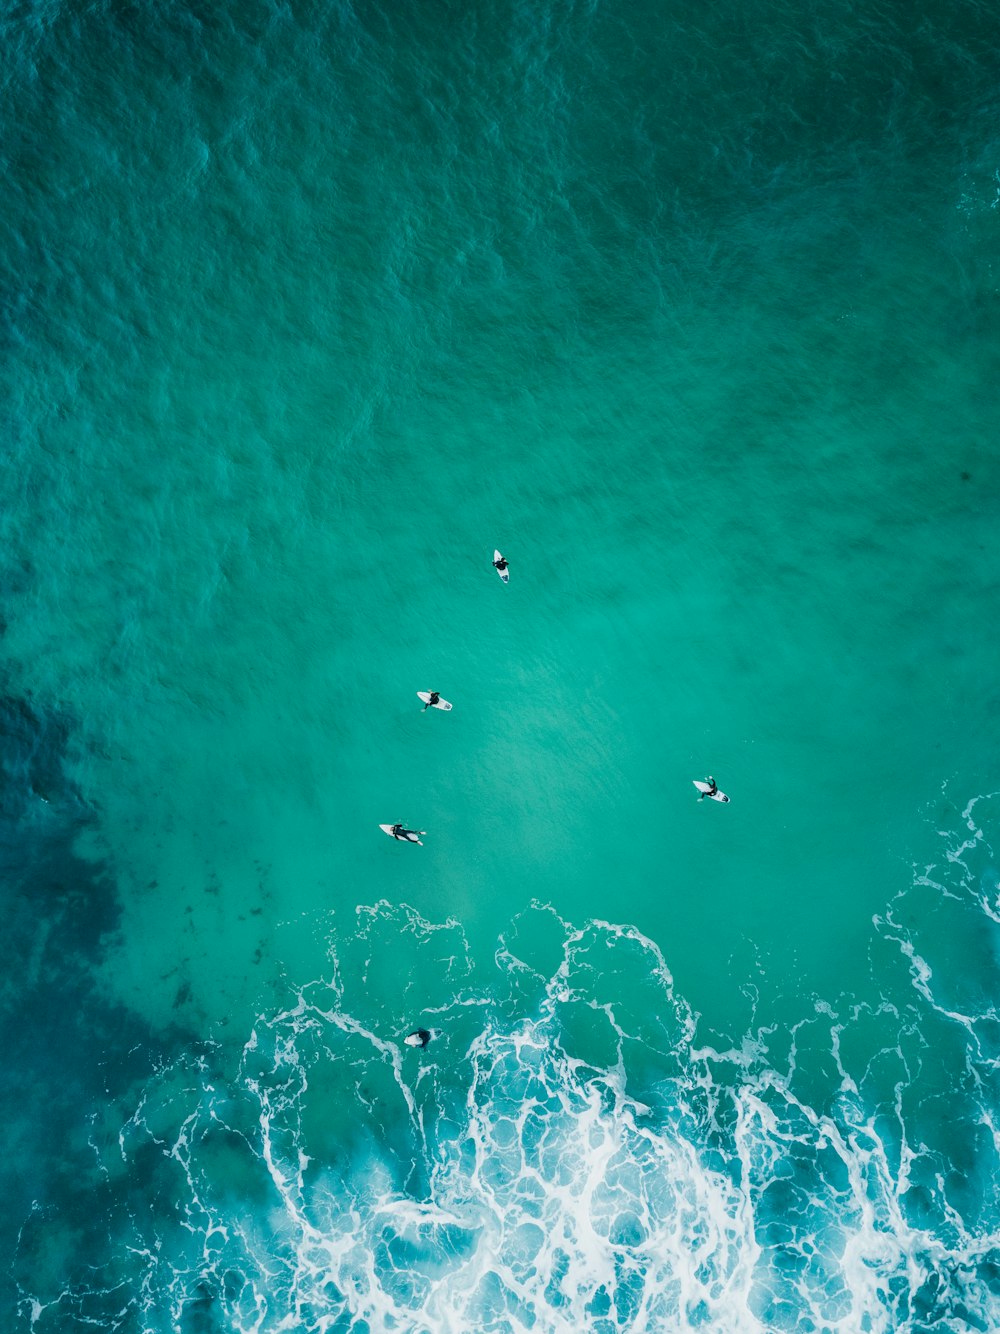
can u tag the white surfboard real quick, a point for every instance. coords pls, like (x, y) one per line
(409, 837)
(706, 790)
(504, 574)
(425, 695)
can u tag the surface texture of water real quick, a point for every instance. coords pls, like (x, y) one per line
(693, 314)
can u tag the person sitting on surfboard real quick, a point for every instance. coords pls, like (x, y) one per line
(500, 564)
(713, 787)
(433, 700)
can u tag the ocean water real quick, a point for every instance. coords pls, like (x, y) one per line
(693, 313)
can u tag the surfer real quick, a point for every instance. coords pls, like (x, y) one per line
(500, 563)
(400, 832)
(434, 697)
(711, 790)
(418, 1038)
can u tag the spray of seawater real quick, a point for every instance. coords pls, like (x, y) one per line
(565, 1155)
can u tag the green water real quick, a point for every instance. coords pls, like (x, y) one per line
(693, 315)
(734, 549)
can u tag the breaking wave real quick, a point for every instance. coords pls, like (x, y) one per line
(566, 1154)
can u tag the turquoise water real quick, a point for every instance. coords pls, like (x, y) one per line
(691, 313)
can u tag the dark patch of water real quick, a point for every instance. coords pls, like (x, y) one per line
(65, 1049)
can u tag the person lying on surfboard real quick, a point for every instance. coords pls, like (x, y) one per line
(433, 700)
(500, 564)
(713, 787)
(400, 831)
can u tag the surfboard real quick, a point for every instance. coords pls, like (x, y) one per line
(419, 1037)
(409, 837)
(705, 789)
(504, 574)
(425, 695)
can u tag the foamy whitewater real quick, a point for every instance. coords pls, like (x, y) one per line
(509, 1178)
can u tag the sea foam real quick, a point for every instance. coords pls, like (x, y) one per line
(503, 1180)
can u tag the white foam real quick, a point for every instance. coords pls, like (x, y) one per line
(510, 1184)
